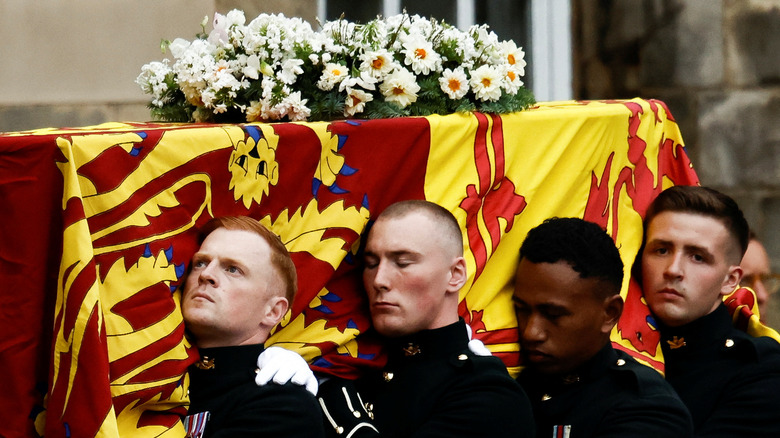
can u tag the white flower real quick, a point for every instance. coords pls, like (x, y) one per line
(291, 68)
(332, 74)
(512, 82)
(400, 87)
(294, 107)
(514, 56)
(252, 68)
(271, 54)
(178, 47)
(378, 63)
(421, 56)
(254, 111)
(235, 18)
(152, 80)
(454, 83)
(365, 80)
(356, 101)
(219, 33)
(486, 83)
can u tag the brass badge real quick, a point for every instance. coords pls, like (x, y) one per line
(571, 379)
(411, 350)
(676, 343)
(205, 363)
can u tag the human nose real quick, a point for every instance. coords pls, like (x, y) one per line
(208, 274)
(673, 268)
(381, 277)
(532, 329)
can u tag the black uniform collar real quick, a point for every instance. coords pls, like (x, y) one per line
(702, 333)
(428, 343)
(228, 359)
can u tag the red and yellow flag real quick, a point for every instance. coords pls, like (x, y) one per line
(135, 195)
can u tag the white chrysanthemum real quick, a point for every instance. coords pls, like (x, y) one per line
(294, 107)
(356, 101)
(454, 83)
(421, 56)
(400, 87)
(486, 83)
(222, 76)
(378, 63)
(514, 56)
(332, 74)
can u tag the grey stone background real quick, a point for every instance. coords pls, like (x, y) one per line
(716, 63)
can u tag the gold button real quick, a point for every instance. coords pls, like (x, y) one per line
(621, 362)
(388, 376)
(546, 397)
(729, 343)
(462, 357)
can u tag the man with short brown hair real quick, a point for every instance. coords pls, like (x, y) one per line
(694, 240)
(241, 283)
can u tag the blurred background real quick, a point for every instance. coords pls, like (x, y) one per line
(716, 63)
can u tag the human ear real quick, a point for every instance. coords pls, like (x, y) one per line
(613, 308)
(458, 275)
(275, 309)
(731, 281)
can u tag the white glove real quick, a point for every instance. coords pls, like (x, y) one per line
(476, 346)
(284, 366)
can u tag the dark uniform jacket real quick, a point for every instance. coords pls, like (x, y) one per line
(729, 380)
(240, 408)
(433, 386)
(611, 395)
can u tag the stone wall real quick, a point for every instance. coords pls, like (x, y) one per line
(716, 63)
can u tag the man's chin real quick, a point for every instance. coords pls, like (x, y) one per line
(389, 328)
(542, 364)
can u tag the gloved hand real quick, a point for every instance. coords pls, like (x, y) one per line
(284, 366)
(345, 413)
(476, 346)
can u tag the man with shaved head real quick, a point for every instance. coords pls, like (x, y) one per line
(432, 384)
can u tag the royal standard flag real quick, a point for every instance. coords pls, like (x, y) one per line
(135, 195)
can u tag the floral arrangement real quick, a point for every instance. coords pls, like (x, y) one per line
(277, 68)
